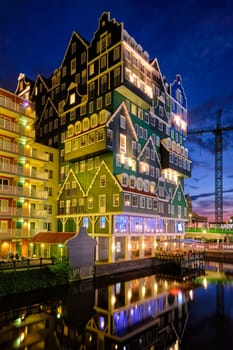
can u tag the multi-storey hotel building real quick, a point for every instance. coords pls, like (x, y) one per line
(120, 129)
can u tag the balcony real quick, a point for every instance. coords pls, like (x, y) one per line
(12, 169)
(15, 128)
(10, 147)
(15, 233)
(16, 191)
(15, 106)
(10, 212)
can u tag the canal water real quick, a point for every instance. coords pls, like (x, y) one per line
(140, 310)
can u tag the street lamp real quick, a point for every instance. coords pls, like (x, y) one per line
(190, 220)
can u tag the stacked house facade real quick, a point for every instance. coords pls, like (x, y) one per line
(120, 129)
(27, 173)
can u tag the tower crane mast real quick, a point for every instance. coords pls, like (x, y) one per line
(218, 163)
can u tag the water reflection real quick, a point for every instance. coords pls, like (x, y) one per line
(147, 312)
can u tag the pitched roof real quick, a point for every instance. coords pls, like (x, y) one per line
(52, 237)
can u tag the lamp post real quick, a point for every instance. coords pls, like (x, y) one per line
(190, 220)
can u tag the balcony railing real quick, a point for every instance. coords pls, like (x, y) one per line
(23, 192)
(22, 171)
(16, 128)
(16, 233)
(16, 107)
(23, 151)
(23, 213)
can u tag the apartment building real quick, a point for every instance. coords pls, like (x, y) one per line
(28, 177)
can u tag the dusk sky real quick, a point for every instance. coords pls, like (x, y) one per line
(193, 38)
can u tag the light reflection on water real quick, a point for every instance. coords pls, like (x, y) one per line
(148, 312)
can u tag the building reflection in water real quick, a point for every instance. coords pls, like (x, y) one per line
(143, 313)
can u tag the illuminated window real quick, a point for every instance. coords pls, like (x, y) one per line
(92, 90)
(142, 202)
(103, 61)
(90, 164)
(135, 201)
(102, 116)
(91, 138)
(122, 143)
(91, 69)
(127, 54)
(139, 184)
(100, 135)
(97, 162)
(75, 144)
(126, 200)
(104, 84)
(85, 124)
(83, 141)
(108, 99)
(135, 61)
(102, 203)
(72, 98)
(148, 152)
(155, 204)
(85, 222)
(102, 222)
(116, 53)
(132, 181)
(146, 185)
(122, 122)
(72, 114)
(140, 113)
(99, 103)
(109, 137)
(78, 127)
(83, 109)
(124, 180)
(149, 203)
(103, 181)
(84, 77)
(91, 107)
(90, 202)
(70, 130)
(73, 66)
(82, 166)
(116, 201)
(117, 76)
(133, 109)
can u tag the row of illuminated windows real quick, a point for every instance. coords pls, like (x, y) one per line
(80, 167)
(84, 140)
(137, 201)
(87, 123)
(178, 161)
(137, 61)
(176, 147)
(144, 168)
(139, 83)
(80, 202)
(137, 183)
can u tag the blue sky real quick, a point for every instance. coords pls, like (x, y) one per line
(193, 38)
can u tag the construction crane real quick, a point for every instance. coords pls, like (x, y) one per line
(218, 164)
